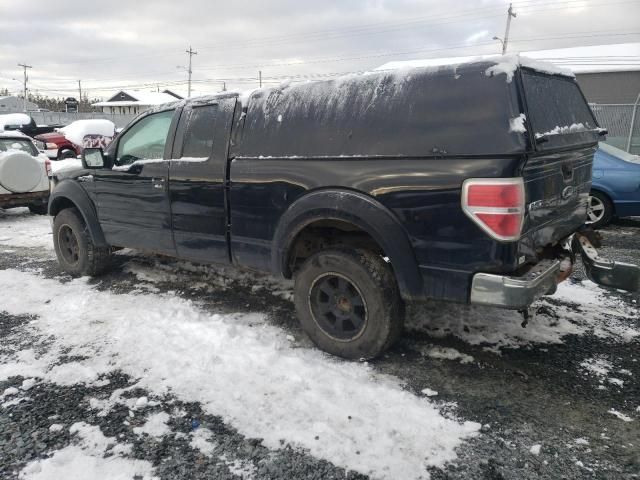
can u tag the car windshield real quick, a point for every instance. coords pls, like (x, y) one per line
(23, 145)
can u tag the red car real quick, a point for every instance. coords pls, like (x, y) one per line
(68, 142)
(56, 146)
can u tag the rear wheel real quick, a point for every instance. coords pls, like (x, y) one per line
(600, 210)
(74, 247)
(348, 303)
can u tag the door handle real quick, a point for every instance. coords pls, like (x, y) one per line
(158, 183)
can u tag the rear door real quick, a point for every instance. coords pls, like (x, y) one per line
(132, 197)
(197, 178)
(558, 174)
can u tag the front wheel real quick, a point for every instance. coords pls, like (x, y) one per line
(599, 211)
(348, 303)
(76, 253)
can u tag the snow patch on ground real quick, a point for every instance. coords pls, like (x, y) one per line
(19, 227)
(446, 353)
(212, 277)
(201, 439)
(584, 308)
(86, 460)
(238, 367)
(156, 425)
(620, 415)
(597, 366)
(239, 468)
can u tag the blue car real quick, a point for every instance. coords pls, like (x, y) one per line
(615, 191)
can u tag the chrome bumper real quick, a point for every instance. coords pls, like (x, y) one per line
(515, 292)
(519, 293)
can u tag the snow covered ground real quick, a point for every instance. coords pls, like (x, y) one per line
(222, 340)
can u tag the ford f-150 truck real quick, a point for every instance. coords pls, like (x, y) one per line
(464, 183)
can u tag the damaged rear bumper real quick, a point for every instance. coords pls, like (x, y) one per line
(608, 273)
(519, 292)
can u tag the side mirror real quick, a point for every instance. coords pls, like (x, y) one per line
(92, 158)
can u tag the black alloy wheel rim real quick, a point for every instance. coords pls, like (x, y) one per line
(338, 307)
(68, 244)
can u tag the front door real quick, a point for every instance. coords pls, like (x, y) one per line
(197, 181)
(132, 198)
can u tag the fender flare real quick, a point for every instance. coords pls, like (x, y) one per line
(70, 191)
(360, 210)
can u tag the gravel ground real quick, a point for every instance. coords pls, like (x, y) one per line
(544, 412)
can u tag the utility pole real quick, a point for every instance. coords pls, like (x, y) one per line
(260, 76)
(510, 15)
(24, 66)
(191, 53)
(79, 93)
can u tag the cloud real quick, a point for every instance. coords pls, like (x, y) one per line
(123, 43)
(477, 36)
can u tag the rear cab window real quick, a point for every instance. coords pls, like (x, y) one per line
(558, 112)
(198, 134)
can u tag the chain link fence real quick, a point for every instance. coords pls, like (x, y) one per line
(623, 123)
(64, 118)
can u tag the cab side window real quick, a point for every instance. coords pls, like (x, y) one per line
(198, 137)
(145, 140)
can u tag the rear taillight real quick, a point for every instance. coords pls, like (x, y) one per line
(47, 166)
(496, 205)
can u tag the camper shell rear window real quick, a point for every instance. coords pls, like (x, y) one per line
(559, 114)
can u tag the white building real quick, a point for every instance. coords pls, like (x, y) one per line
(14, 104)
(134, 102)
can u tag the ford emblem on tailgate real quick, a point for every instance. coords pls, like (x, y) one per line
(568, 192)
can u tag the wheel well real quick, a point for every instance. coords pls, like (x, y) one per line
(324, 234)
(60, 204)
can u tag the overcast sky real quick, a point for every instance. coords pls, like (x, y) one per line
(141, 43)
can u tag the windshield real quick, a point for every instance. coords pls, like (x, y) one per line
(7, 144)
(559, 114)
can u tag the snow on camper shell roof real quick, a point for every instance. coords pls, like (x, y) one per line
(506, 64)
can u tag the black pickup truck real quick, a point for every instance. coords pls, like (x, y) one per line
(464, 183)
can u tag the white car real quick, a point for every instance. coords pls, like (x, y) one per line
(24, 173)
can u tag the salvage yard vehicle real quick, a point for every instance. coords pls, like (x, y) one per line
(464, 183)
(615, 191)
(68, 141)
(24, 174)
(23, 123)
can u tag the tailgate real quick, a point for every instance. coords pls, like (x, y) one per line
(557, 189)
(557, 175)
